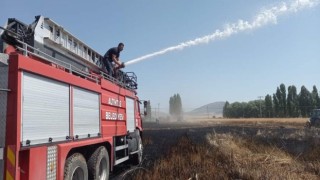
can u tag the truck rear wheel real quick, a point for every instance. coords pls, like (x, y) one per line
(76, 168)
(98, 164)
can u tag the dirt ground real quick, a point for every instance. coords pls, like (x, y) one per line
(159, 138)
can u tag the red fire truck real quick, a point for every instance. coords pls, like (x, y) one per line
(61, 115)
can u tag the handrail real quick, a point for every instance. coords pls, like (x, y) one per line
(68, 66)
(26, 51)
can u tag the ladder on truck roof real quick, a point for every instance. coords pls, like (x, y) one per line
(55, 34)
(46, 39)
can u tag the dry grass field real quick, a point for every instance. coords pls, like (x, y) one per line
(249, 121)
(229, 149)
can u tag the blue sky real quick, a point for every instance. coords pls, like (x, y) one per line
(237, 68)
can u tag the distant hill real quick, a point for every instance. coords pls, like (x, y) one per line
(212, 109)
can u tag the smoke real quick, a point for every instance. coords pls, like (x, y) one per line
(265, 17)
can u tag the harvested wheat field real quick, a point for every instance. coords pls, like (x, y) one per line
(229, 149)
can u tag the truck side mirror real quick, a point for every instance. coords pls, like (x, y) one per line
(145, 104)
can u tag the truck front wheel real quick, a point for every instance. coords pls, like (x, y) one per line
(98, 164)
(137, 158)
(76, 168)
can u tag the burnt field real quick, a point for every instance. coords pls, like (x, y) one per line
(229, 149)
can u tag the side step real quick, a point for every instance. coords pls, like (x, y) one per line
(134, 152)
(121, 160)
(121, 149)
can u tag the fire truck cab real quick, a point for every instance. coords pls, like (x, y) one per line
(61, 115)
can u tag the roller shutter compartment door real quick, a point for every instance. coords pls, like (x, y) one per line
(45, 110)
(86, 113)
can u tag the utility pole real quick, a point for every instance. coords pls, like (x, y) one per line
(158, 110)
(158, 116)
(260, 97)
(208, 112)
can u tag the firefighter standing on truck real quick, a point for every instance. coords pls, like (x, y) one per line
(111, 60)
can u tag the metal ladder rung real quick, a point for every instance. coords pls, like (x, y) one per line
(121, 147)
(121, 160)
(134, 152)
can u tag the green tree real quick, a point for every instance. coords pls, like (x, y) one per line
(178, 105)
(293, 102)
(269, 106)
(315, 98)
(175, 106)
(237, 109)
(226, 109)
(281, 106)
(283, 100)
(276, 105)
(252, 109)
(305, 101)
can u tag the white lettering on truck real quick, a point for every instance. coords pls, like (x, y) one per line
(114, 102)
(114, 116)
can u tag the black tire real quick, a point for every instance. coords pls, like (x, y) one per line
(75, 168)
(98, 164)
(137, 157)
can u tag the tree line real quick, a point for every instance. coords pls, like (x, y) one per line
(283, 103)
